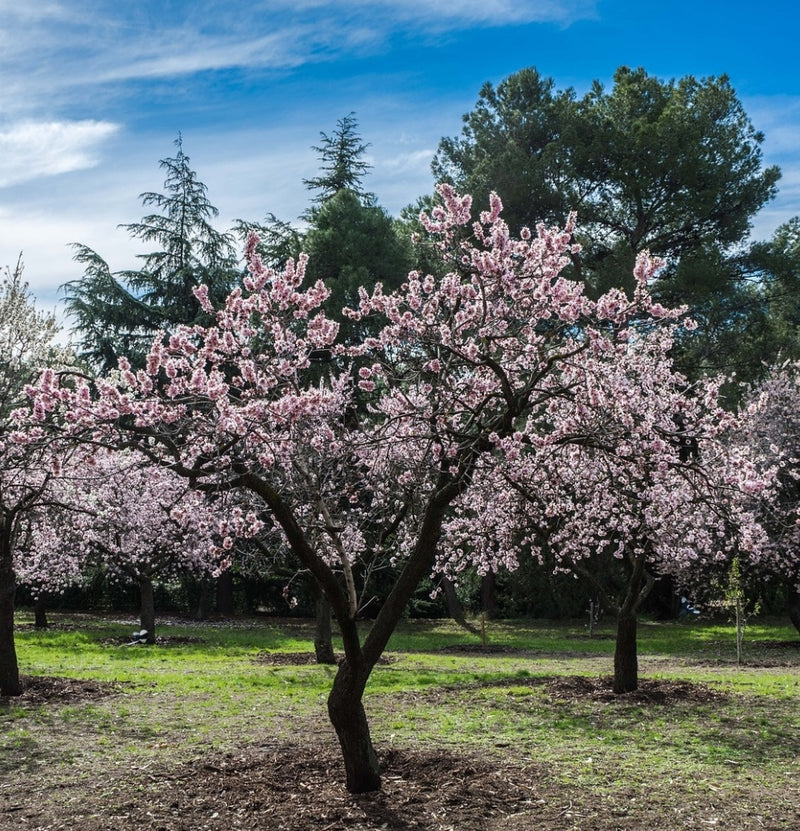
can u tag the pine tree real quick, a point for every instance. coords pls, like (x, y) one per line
(342, 165)
(119, 312)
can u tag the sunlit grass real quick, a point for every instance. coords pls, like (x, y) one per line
(209, 687)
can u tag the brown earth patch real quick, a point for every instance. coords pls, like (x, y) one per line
(299, 787)
(655, 691)
(42, 689)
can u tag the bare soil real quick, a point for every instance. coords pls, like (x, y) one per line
(298, 786)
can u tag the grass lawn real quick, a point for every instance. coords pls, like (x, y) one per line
(224, 726)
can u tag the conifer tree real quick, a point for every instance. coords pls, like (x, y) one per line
(118, 312)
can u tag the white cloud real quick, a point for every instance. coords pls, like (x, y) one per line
(486, 12)
(30, 150)
(53, 52)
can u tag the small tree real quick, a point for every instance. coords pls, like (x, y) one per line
(635, 468)
(138, 523)
(768, 433)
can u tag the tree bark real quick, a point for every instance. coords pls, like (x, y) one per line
(323, 637)
(9, 667)
(147, 614)
(225, 604)
(349, 720)
(40, 612)
(454, 607)
(345, 707)
(488, 598)
(626, 662)
(204, 604)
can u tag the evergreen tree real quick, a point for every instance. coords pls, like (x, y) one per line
(673, 167)
(342, 165)
(119, 312)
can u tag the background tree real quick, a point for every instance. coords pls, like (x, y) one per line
(342, 163)
(26, 465)
(350, 240)
(139, 524)
(635, 470)
(751, 323)
(672, 167)
(769, 435)
(118, 313)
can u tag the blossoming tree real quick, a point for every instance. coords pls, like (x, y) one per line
(637, 467)
(141, 524)
(769, 435)
(26, 465)
(361, 471)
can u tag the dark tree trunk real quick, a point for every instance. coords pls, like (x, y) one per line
(204, 605)
(349, 720)
(454, 607)
(793, 603)
(148, 608)
(323, 636)
(345, 707)
(225, 605)
(9, 668)
(626, 662)
(40, 612)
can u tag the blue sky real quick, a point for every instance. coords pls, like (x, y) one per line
(94, 92)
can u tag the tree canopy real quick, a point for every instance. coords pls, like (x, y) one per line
(668, 166)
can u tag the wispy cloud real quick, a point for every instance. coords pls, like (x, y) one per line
(32, 149)
(54, 50)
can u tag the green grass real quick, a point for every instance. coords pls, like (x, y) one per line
(208, 689)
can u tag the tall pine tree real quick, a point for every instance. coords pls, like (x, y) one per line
(118, 313)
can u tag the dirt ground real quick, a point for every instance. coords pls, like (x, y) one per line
(298, 787)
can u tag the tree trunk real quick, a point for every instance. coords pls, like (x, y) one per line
(40, 612)
(347, 715)
(225, 604)
(454, 607)
(148, 608)
(488, 599)
(626, 662)
(323, 637)
(345, 707)
(9, 668)
(204, 593)
(793, 603)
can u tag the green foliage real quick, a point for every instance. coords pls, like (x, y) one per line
(342, 163)
(669, 166)
(119, 313)
(351, 244)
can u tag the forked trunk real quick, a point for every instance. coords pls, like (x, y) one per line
(147, 614)
(9, 668)
(346, 712)
(626, 661)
